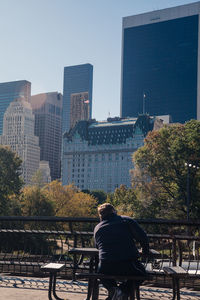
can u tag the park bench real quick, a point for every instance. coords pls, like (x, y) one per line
(94, 281)
(175, 273)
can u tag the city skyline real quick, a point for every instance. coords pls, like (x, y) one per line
(65, 33)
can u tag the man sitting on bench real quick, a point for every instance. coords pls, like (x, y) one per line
(115, 238)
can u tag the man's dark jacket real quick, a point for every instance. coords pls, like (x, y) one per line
(115, 238)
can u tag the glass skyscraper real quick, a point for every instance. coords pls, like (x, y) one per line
(77, 80)
(47, 108)
(160, 63)
(9, 91)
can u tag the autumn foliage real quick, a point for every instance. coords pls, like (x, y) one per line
(68, 201)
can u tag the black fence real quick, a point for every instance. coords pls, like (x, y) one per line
(26, 243)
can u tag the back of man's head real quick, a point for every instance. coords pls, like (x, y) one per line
(105, 210)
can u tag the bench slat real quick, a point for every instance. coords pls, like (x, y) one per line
(116, 277)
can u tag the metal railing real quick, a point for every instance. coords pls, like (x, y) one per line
(28, 242)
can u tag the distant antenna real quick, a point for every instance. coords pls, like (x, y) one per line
(108, 114)
(143, 104)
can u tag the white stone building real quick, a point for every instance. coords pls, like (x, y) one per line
(98, 155)
(18, 133)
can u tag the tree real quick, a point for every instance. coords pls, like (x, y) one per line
(99, 195)
(15, 205)
(69, 201)
(160, 174)
(34, 202)
(10, 181)
(124, 200)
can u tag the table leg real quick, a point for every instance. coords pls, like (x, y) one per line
(74, 266)
(132, 292)
(54, 288)
(50, 286)
(90, 281)
(137, 291)
(177, 289)
(95, 292)
(174, 288)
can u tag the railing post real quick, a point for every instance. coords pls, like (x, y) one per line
(174, 251)
(180, 253)
(75, 263)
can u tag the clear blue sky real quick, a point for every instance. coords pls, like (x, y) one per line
(38, 38)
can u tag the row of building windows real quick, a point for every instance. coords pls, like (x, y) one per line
(120, 130)
(107, 144)
(116, 172)
(99, 157)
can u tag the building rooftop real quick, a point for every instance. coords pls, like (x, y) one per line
(114, 131)
(162, 15)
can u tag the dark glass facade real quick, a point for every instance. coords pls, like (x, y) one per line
(77, 79)
(9, 91)
(160, 61)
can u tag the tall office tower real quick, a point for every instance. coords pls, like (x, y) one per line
(18, 133)
(77, 94)
(47, 108)
(98, 155)
(161, 63)
(9, 91)
(79, 108)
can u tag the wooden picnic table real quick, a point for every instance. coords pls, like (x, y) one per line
(93, 254)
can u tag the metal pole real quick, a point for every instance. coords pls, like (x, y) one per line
(144, 103)
(188, 193)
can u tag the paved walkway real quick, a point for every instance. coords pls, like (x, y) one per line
(17, 288)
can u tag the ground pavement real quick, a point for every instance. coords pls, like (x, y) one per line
(18, 288)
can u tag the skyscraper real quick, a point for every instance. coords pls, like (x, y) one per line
(79, 108)
(18, 133)
(10, 91)
(77, 80)
(47, 108)
(160, 69)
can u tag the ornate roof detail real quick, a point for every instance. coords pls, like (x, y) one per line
(114, 131)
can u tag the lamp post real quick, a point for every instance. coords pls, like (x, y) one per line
(189, 166)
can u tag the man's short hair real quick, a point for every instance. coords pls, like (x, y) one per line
(105, 210)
